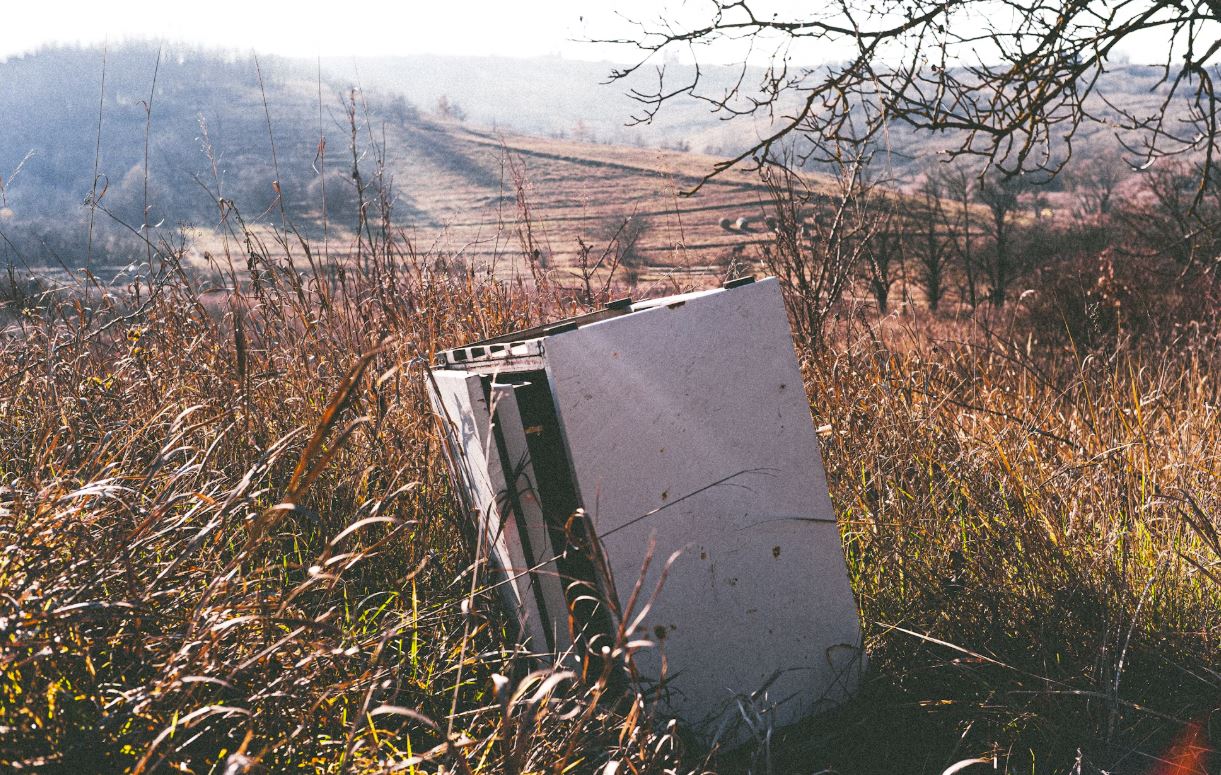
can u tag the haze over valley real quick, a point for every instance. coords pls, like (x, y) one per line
(457, 145)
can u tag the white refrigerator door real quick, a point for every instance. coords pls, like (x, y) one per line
(688, 424)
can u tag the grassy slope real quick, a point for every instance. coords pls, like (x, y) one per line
(1031, 530)
(208, 129)
(220, 552)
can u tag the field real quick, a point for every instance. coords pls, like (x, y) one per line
(230, 544)
(580, 190)
(279, 141)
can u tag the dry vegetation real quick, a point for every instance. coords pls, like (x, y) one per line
(229, 541)
(230, 544)
(69, 116)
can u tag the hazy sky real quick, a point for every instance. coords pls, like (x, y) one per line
(381, 27)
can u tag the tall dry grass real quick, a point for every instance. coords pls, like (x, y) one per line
(229, 544)
(1033, 537)
(228, 539)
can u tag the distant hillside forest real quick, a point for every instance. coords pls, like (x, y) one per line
(206, 127)
(94, 145)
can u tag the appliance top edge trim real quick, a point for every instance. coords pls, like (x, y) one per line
(520, 350)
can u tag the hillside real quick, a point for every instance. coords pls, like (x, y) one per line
(240, 130)
(581, 191)
(207, 138)
(556, 97)
(448, 140)
(552, 97)
(234, 534)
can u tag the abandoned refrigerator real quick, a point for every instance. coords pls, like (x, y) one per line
(676, 429)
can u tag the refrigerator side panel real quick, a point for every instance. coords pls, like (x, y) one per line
(463, 412)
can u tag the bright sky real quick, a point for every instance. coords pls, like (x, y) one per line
(373, 27)
(309, 28)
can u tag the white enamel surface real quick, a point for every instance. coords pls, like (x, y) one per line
(687, 423)
(458, 400)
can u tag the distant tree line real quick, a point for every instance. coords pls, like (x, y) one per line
(1093, 250)
(143, 135)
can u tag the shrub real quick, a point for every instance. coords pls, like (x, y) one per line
(1095, 300)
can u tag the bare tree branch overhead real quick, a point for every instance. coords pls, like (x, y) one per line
(1011, 81)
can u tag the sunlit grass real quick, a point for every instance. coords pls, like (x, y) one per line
(225, 546)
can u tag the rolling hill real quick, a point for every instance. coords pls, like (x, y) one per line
(261, 134)
(462, 147)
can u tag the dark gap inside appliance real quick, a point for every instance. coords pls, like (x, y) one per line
(513, 476)
(590, 619)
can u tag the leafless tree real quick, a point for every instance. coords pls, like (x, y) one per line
(449, 109)
(883, 255)
(621, 249)
(1009, 80)
(1165, 218)
(1094, 182)
(958, 186)
(932, 233)
(816, 255)
(1002, 196)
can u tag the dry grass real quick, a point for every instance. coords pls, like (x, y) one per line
(229, 543)
(1032, 537)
